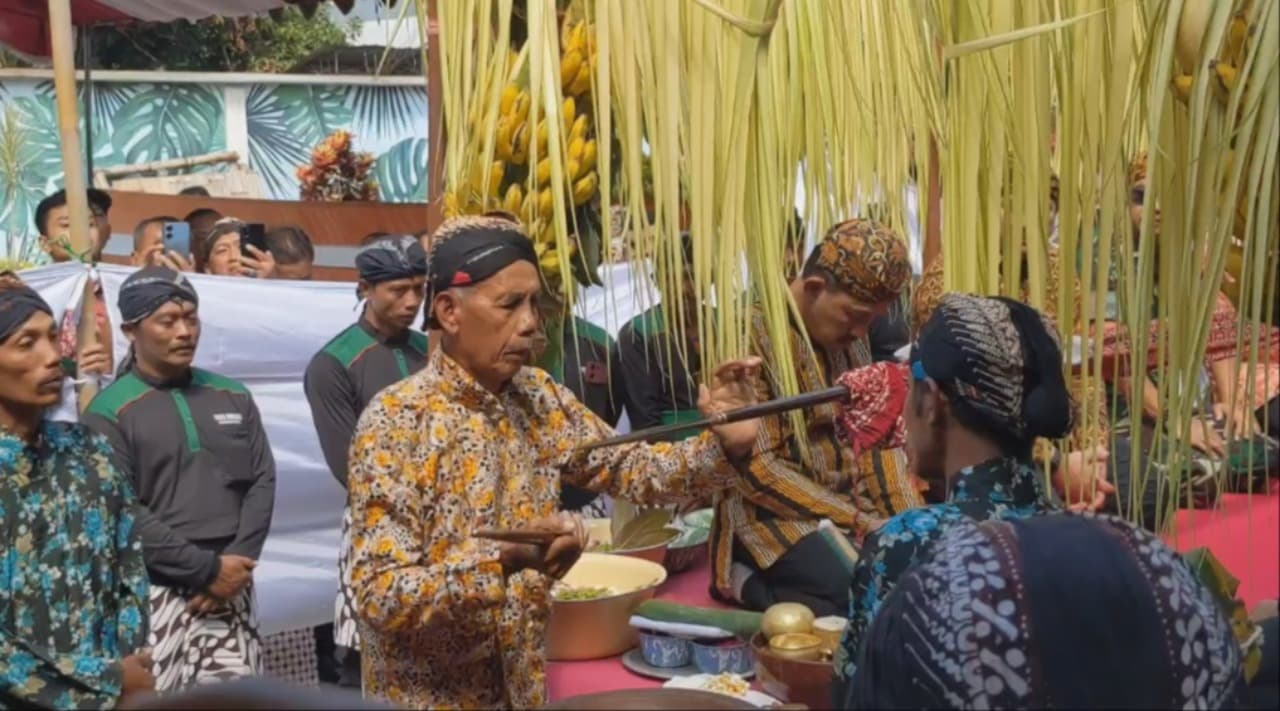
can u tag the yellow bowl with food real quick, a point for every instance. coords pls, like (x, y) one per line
(591, 607)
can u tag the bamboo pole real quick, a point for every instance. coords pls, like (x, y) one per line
(435, 112)
(62, 43)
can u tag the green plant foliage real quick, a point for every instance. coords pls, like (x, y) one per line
(226, 44)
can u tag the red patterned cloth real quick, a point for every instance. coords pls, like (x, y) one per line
(872, 419)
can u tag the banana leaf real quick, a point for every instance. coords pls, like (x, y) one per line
(649, 528)
(1223, 585)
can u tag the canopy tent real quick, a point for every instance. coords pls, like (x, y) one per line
(24, 24)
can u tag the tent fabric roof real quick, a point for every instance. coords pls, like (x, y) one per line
(24, 24)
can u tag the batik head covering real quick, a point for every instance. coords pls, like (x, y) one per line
(391, 257)
(467, 250)
(865, 258)
(1056, 611)
(999, 363)
(18, 303)
(149, 288)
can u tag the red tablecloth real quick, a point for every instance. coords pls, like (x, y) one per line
(1243, 533)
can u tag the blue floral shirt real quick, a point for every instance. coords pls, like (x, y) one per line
(996, 489)
(73, 585)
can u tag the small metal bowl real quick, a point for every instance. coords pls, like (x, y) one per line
(664, 651)
(799, 646)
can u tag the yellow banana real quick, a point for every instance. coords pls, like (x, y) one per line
(582, 83)
(574, 152)
(569, 110)
(585, 188)
(526, 208)
(549, 263)
(520, 144)
(502, 138)
(569, 65)
(520, 108)
(577, 38)
(1182, 86)
(588, 158)
(572, 171)
(511, 203)
(545, 203)
(508, 100)
(543, 174)
(1226, 79)
(1233, 49)
(579, 129)
(542, 138)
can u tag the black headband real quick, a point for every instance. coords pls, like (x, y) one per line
(147, 289)
(391, 258)
(475, 255)
(17, 305)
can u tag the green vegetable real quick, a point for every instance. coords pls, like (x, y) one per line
(741, 623)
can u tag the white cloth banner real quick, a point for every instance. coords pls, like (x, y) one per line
(263, 334)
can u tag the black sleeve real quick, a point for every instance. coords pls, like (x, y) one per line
(334, 410)
(167, 554)
(641, 379)
(255, 509)
(887, 334)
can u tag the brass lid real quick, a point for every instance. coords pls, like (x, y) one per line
(794, 641)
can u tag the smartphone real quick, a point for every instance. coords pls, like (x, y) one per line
(253, 234)
(177, 237)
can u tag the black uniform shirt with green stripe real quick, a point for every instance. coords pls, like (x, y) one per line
(201, 466)
(346, 374)
(594, 380)
(660, 388)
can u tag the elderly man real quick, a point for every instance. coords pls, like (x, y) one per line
(476, 439)
(370, 354)
(766, 543)
(194, 445)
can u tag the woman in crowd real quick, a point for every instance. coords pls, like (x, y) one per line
(1057, 611)
(221, 253)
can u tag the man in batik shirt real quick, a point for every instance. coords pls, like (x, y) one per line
(73, 585)
(477, 440)
(766, 543)
(986, 382)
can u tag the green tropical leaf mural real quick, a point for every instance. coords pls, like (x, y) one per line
(402, 171)
(388, 111)
(168, 121)
(39, 121)
(24, 177)
(284, 123)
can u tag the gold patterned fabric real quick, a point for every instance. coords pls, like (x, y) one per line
(866, 259)
(437, 456)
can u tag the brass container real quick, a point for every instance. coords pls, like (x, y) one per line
(592, 629)
(797, 646)
(786, 617)
(829, 630)
(792, 680)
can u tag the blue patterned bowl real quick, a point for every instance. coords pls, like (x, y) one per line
(664, 651)
(732, 657)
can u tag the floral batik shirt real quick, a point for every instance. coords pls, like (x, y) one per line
(997, 489)
(73, 585)
(435, 457)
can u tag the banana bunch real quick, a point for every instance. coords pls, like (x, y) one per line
(513, 182)
(1225, 68)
